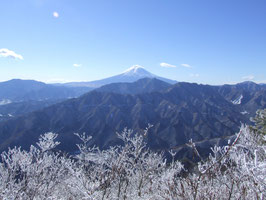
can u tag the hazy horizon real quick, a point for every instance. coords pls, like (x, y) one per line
(62, 82)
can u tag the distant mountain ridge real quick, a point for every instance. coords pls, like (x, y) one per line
(17, 90)
(178, 112)
(251, 96)
(9, 109)
(18, 97)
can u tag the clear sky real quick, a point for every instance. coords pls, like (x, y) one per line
(203, 41)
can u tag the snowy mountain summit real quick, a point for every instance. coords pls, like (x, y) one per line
(130, 75)
(138, 71)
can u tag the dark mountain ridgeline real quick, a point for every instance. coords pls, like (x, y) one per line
(178, 113)
(207, 114)
(145, 85)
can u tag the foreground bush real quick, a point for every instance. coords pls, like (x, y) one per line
(132, 171)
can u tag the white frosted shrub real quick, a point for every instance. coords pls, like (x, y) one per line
(132, 171)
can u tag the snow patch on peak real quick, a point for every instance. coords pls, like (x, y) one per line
(244, 112)
(133, 69)
(5, 101)
(237, 100)
(138, 71)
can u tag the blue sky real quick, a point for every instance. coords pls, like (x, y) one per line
(219, 41)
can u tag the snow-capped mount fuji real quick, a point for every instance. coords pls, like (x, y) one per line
(132, 74)
(138, 71)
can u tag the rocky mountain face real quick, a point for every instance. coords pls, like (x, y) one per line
(247, 96)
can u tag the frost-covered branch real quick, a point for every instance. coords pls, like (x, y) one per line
(133, 171)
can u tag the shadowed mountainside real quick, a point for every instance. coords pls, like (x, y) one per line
(181, 112)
